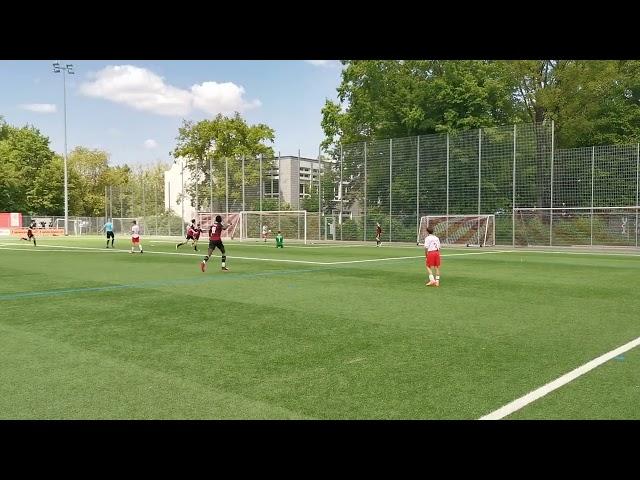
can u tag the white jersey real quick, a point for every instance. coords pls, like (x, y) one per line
(265, 229)
(432, 243)
(135, 231)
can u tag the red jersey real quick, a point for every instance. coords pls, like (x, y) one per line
(215, 231)
(196, 233)
(378, 231)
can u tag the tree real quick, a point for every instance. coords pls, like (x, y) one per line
(214, 141)
(24, 152)
(91, 167)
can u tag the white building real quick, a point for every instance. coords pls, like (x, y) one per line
(291, 179)
(174, 180)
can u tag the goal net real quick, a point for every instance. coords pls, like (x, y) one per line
(470, 230)
(206, 219)
(577, 226)
(248, 225)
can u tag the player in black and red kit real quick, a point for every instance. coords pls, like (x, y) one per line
(190, 232)
(378, 234)
(196, 236)
(215, 241)
(30, 236)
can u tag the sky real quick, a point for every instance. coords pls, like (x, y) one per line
(133, 109)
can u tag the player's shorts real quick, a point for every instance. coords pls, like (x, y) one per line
(213, 244)
(135, 239)
(196, 238)
(189, 237)
(110, 235)
(433, 259)
(29, 234)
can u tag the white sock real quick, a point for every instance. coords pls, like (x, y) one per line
(437, 278)
(431, 278)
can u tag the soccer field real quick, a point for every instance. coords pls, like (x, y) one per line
(312, 332)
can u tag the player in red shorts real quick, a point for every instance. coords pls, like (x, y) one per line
(215, 241)
(432, 260)
(135, 237)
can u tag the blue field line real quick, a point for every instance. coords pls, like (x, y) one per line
(157, 283)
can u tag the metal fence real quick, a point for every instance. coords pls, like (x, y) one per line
(513, 172)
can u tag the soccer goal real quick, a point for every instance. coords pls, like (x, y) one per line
(206, 219)
(292, 224)
(577, 226)
(248, 225)
(469, 230)
(73, 226)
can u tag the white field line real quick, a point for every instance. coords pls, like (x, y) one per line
(519, 403)
(309, 262)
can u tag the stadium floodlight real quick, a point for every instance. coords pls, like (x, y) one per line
(68, 68)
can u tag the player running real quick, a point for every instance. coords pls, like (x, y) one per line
(30, 236)
(215, 241)
(196, 236)
(190, 233)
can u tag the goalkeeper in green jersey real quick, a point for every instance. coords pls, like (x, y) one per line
(279, 240)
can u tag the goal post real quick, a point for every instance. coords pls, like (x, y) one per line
(577, 226)
(469, 230)
(248, 224)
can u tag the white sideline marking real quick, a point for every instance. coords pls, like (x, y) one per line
(519, 403)
(270, 244)
(283, 260)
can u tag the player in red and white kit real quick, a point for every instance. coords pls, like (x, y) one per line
(215, 241)
(135, 237)
(432, 254)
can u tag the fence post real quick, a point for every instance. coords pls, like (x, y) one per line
(341, 191)
(155, 202)
(551, 193)
(210, 185)
(364, 235)
(390, 185)
(447, 212)
(637, 187)
(260, 200)
(319, 191)
(418, 189)
(243, 182)
(182, 201)
(226, 186)
(593, 160)
(479, 179)
(513, 195)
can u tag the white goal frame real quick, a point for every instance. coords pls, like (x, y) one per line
(486, 229)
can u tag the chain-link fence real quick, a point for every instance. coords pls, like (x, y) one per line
(539, 194)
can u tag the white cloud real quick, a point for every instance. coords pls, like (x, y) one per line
(39, 107)
(150, 143)
(324, 63)
(144, 90)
